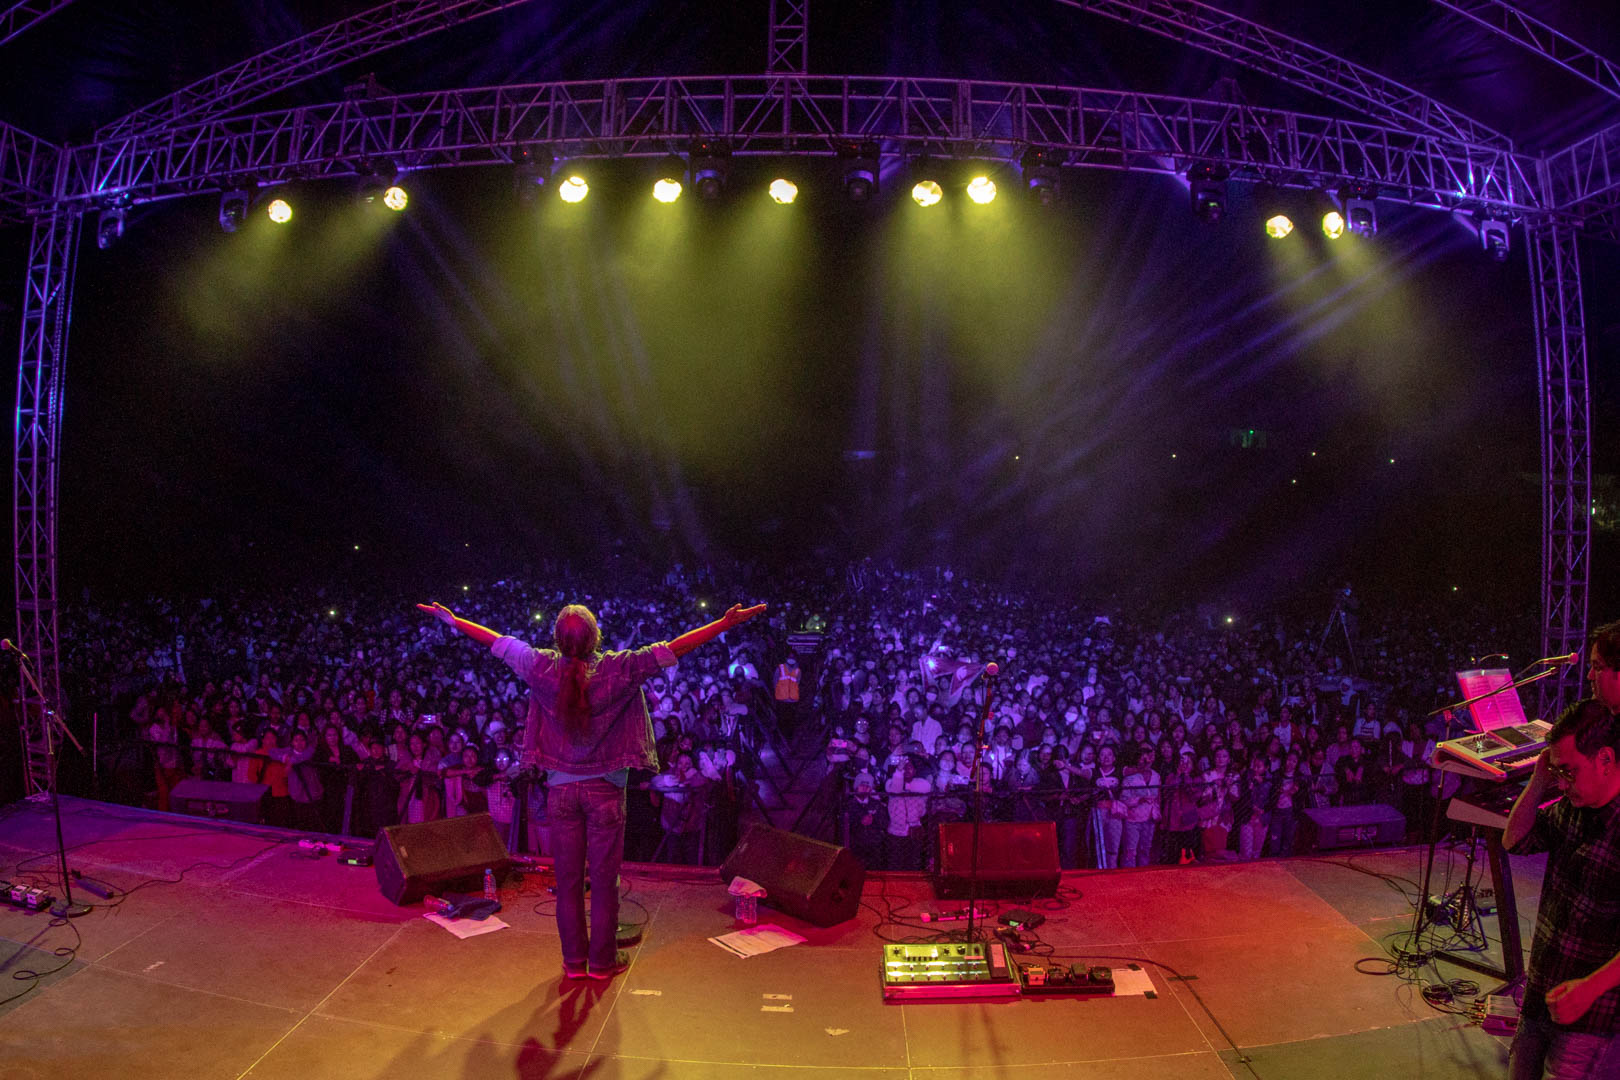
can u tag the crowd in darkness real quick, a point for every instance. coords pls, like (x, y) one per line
(1146, 736)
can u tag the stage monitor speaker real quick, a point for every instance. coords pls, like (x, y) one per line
(220, 799)
(1348, 826)
(808, 879)
(1016, 859)
(450, 854)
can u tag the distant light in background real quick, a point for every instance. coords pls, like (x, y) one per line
(982, 190)
(280, 211)
(1229, 620)
(332, 611)
(784, 191)
(927, 192)
(1208, 183)
(1332, 224)
(1279, 226)
(574, 189)
(395, 198)
(233, 210)
(667, 190)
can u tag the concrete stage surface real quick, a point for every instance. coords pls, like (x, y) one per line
(262, 962)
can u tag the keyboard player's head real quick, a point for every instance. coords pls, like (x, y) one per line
(1603, 665)
(1583, 754)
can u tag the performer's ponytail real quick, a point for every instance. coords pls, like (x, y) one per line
(577, 637)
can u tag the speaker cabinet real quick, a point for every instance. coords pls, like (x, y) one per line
(808, 879)
(220, 799)
(446, 855)
(1016, 859)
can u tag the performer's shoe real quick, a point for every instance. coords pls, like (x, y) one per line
(574, 971)
(621, 961)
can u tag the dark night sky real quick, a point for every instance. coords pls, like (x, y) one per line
(530, 384)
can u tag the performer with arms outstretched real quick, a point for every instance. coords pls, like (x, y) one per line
(587, 727)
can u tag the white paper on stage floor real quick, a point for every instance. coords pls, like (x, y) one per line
(764, 938)
(1132, 983)
(466, 928)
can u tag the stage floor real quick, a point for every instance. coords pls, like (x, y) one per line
(261, 963)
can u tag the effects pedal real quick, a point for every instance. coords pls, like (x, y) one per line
(1022, 918)
(933, 914)
(1496, 1014)
(25, 897)
(1051, 980)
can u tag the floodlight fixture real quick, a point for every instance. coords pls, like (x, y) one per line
(1208, 184)
(671, 171)
(1332, 224)
(861, 161)
(927, 192)
(1494, 237)
(783, 190)
(1278, 226)
(1041, 177)
(1360, 215)
(573, 189)
(233, 209)
(109, 227)
(711, 166)
(981, 189)
(395, 198)
(279, 210)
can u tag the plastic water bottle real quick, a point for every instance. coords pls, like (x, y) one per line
(748, 910)
(490, 892)
(434, 903)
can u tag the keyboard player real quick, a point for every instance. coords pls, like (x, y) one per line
(1571, 1013)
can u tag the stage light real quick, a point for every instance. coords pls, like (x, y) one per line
(1279, 226)
(667, 190)
(784, 191)
(860, 169)
(574, 189)
(711, 166)
(233, 210)
(534, 164)
(927, 192)
(1332, 224)
(109, 227)
(280, 211)
(1040, 174)
(1494, 237)
(1208, 183)
(1360, 215)
(982, 190)
(395, 198)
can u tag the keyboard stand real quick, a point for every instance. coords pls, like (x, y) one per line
(1507, 922)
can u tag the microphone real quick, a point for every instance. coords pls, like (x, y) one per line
(5, 643)
(992, 669)
(1572, 658)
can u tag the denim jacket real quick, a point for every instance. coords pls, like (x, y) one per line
(619, 734)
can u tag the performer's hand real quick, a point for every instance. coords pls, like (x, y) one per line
(438, 611)
(1569, 1001)
(736, 614)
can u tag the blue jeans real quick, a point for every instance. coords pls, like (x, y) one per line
(587, 828)
(1564, 1055)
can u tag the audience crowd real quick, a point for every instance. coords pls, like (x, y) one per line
(1145, 736)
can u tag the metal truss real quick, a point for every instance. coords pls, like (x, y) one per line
(1296, 62)
(47, 307)
(1509, 22)
(809, 115)
(1584, 171)
(19, 17)
(789, 52)
(376, 30)
(27, 169)
(1566, 439)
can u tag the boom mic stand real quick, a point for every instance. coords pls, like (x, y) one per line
(991, 670)
(67, 908)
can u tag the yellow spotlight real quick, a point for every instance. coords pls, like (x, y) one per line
(1279, 226)
(667, 190)
(395, 198)
(927, 192)
(1332, 224)
(280, 211)
(981, 189)
(784, 191)
(574, 189)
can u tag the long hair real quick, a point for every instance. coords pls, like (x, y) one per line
(577, 637)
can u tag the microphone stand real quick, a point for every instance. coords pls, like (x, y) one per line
(990, 673)
(67, 908)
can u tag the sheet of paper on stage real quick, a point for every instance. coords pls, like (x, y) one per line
(764, 938)
(466, 928)
(1128, 983)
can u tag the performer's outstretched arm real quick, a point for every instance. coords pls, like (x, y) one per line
(735, 615)
(481, 634)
